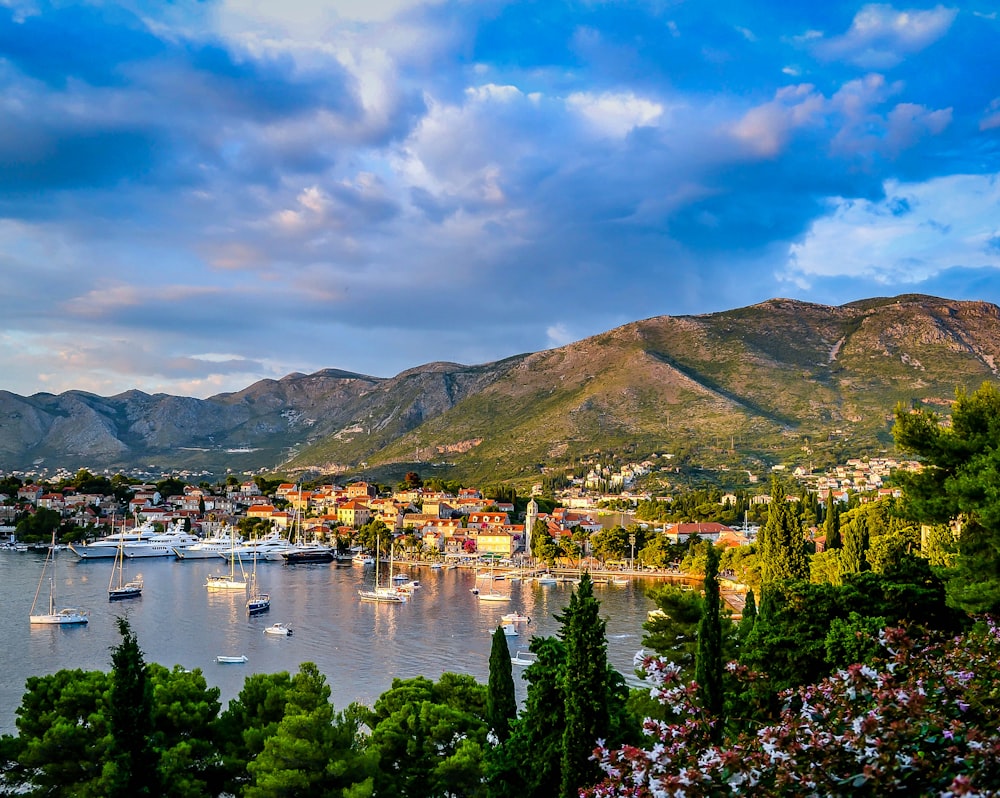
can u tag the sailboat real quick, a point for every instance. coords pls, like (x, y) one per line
(229, 581)
(257, 602)
(64, 616)
(123, 589)
(492, 595)
(385, 595)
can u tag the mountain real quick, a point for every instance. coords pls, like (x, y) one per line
(778, 382)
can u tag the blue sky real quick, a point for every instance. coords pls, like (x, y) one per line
(198, 195)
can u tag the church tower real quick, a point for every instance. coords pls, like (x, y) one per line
(530, 516)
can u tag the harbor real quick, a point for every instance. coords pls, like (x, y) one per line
(359, 646)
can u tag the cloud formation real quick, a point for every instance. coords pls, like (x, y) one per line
(194, 196)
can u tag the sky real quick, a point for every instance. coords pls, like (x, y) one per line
(198, 195)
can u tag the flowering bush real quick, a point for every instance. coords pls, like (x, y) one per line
(923, 721)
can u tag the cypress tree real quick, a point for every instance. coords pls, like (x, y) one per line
(749, 619)
(586, 689)
(709, 659)
(134, 765)
(501, 705)
(855, 545)
(781, 544)
(831, 524)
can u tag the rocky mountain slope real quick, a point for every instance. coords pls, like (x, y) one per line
(781, 381)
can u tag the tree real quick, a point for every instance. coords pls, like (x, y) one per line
(132, 766)
(919, 720)
(428, 738)
(501, 705)
(249, 721)
(781, 544)
(313, 750)
(959, 481)
(63, 736)
(532, 767)
(709, 659)
(831, 524)
(673, 631)
(587, 693)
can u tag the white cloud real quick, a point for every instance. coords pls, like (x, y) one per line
(615, 114)
(992, 118)
(916, 232)
(880, 37)
(766, 128)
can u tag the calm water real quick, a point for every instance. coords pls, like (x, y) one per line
(360, 647)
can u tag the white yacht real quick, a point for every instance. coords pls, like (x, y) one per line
(218, 545)
(162, 544)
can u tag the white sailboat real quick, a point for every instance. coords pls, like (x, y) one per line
(257, 602)
(60, 617)
(492, 595)
(120, 588)
(379, 594)
(229, 581)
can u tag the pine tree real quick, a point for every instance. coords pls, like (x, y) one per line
(709, 659)
(501, 705)
(134, 768)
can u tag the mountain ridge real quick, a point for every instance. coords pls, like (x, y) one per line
(778, 381)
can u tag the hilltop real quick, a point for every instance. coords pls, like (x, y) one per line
(778, 382)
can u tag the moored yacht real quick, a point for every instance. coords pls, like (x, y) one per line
(161, 544)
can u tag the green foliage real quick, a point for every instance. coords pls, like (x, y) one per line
(709, 658)
(853, 639)
(37, 527)
(532, 767)
(249, 721)
(831, 524)
(673, 632)
(586, 696)
(171, 486)
(501, 705)
(780, 543)
(827, 566)
(132, 766)
(960, 480)
(313, 750)
(428, 738)
(543, 547)
(63, 736)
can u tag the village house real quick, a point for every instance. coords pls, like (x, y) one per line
(354, 514)
(361, 490)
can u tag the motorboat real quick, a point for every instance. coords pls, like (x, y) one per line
(278, 629)
(161, 544)
(218, 545)
(509, 629)
(225, 660)
(515, 617)
(524, 658)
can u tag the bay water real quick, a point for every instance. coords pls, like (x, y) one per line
(359, 647)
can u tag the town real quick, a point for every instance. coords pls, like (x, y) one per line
(429, 521)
